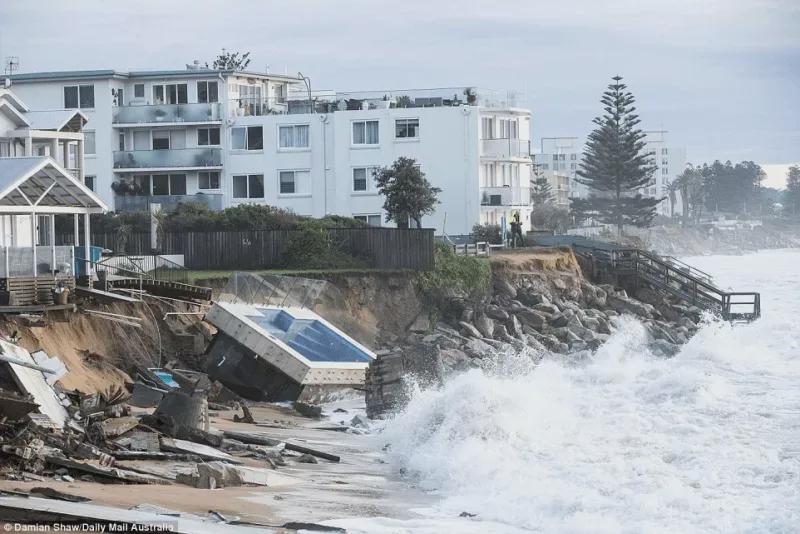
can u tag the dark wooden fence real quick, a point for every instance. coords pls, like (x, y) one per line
(379, 248)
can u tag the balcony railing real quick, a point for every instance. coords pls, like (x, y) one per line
(160, 159)
(505, 196)
(506, 148)
(167, 113)
(254, 107)
(168, 202)
(18, 261)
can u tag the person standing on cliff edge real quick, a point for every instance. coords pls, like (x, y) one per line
(516, 231)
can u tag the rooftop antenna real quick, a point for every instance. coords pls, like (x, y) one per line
(11, 65)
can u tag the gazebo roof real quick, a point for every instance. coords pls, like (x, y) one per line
(57, 120)
(40, 185)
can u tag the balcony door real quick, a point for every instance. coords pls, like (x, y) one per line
(174, 93)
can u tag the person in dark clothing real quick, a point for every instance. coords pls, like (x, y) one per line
(516, 231)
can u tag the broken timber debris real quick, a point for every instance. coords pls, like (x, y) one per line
(257, 439)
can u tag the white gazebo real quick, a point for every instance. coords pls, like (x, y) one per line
(33, 190)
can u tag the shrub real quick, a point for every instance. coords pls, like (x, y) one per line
(454, 276)
(312, 247)
(487, 232)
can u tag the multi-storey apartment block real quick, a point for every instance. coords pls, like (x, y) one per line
(227, 137)
(559, 158)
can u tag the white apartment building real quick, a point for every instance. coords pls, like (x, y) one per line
(670, 161)
(562, 155)
(557, 160)
(225, 137)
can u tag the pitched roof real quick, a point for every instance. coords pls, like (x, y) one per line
(41, 180)
(55, 119)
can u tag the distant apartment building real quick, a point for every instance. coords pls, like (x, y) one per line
(560, 157)
(557, 160)
(227, 137)
(670, 161)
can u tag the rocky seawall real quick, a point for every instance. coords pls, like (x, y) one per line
(537, 304)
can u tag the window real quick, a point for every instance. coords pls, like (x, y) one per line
(247, 138)
(665, 161)
(175, 93)
(89, 142)
(208, 180)
(365, 132)
(138, 90)
(169, 184)
(207, 136)
(293, 136)
(664, 170)
(248, 186)
(288, 186)
(121, 141)
(545, 166)
(406, 128)
(573, 166)
(487, 128)
(664, 151)
(562, 157)
(79, 96)
(161, 140)
(360, 176)
(371, 220)
(5, 149)
(555, 157)
(141, 140)
(207, 92)
(88, 181)
(118, 97)
(573, 157)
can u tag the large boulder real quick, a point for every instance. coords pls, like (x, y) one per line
(546, 308)
(559, 320)
(532, 318)
(485, 325)
(504, 287)
(513, 326)
(468, 330)
(623, 304)
(496, 312)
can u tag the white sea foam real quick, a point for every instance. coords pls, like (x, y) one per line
(708, 441)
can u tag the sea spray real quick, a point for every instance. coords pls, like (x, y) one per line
(620, 441)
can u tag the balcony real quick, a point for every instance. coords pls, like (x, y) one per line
(256, 107)
(168, 202)
(505, 196)
(506, 148)
(166, 114)
(184, 158)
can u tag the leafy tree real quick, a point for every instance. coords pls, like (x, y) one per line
(230, 61)
(408, 194)
(792, 194)
(487, 232)
(615, 165)
(690, 185)
(732, 188)
(542, 192)
(550, 217)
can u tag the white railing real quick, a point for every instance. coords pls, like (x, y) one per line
(506, 148)
(18, 261)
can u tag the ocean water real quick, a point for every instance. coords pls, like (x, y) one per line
(708, 441)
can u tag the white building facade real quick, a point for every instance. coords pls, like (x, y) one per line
(560, 157)
(225, 138)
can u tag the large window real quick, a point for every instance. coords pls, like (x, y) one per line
(79, 96)
(248, 186)
(293, 182)
(169, 184)
(208, 136)
(169, 139)
(372, 220)
(138, 90)
(89, 147)
(208, 180)
(406, 128)
(207, 92)
(247, 138)
(295, 136)
(365, 133)
(174, 93)
(362, 177)
(161, 140)
(89, 181)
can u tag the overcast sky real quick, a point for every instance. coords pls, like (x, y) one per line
(723, 76)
